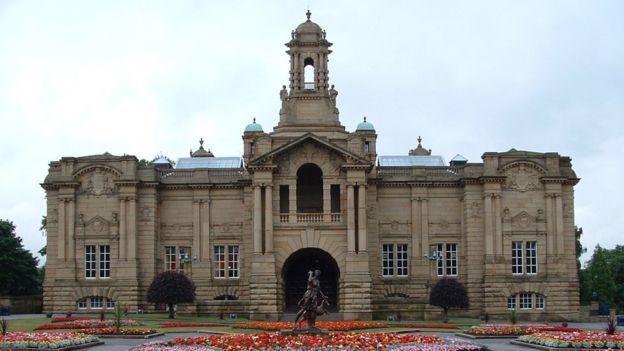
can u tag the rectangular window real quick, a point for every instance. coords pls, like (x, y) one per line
(184, 257)
(511, 303)
(387, 260)
(446, 262)
(82, 304)
(284, 199)
(539, 302)
(104, 261)
(233, 271)
(394, 256)
(335, 198)
(110, 304)
(367, 147)
(219, 261)
(402, 262)
(97, 302)
(440, 259)
(170, 258)
(526, 301)
(516, 257)
(451, 259)
(531, 257)
(90, 261)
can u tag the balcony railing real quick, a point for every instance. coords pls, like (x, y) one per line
(308, 85)
(310, 218)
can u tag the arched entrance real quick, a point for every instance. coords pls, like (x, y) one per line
(295, 276)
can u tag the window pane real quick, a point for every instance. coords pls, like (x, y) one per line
(440, 262)
(516, 257)
(110, 304)
(511, 302)
(539, 302)
(219, 261)
(451, 259)
(96, 302)
(531, 257)
(233, 264)
(526, 301)
(104, 261)
(402, 260)
(170, 258)
(90, 261)
(387, 260)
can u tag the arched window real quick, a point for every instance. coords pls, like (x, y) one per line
(309, 189)
(308, 74)
(95, 303)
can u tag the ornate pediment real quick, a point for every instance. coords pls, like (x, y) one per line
(308, 147)
(523, 222)
(98, 180)
(98, 226)
(522, 176)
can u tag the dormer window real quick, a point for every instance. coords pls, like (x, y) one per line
(367, 147)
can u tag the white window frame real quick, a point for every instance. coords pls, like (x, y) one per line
(226, 261)
(530, 257)
(517, 251)
(90, 262)
(540, 302)
(96, 302)
(83, 304)
(110, 304)
(171, 258)
(394, 260)
(525, 301)
(105, 262)
(447, 263)
(387, 259)
(512, 302)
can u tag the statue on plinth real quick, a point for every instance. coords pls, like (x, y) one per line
(313, 302)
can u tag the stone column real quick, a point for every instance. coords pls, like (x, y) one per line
(71, 230)
(550, 231)
(559, 222)
(132, 228)
(416, 226)
(196, 247)
(489, 235)
(205, 232)
(362, 219)
(122, 229)
(498, 226)
(268, 218)
(61, 229)
(350, 219)
(326, 202)
(424, 222)
(257, 219)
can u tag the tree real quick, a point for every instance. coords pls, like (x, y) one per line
(615, 261)
(584, 288)
(171, 288)
(19, 274)
(448, 293)
(601, 277)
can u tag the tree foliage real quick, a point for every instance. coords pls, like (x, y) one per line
(171, 288)
(601, 277)
(448, 293)
(19, 274)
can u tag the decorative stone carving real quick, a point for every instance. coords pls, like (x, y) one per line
(145, 214)
(98, 182)
(97, 226)
(394, 227)
(523, 222)
(475, 210)
(178, 229)
(522, 178)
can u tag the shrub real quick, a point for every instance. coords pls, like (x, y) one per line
(448, 293)
(171, 288)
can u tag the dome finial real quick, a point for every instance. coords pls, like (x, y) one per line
(201, 142)
(364, 118)
(254, 120)
(419, 140)
(308, 14)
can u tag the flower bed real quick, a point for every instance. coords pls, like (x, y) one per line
(515, 330)
(423, 326)
(329, 325)
(121, 331)
(68, 319)
(22, 340)
(578, 340)
(449, 345)
(86, 324)
(190, 324)
(327, 342)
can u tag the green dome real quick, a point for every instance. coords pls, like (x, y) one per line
(365, 127)
(254, 127)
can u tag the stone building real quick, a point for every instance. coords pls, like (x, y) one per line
(312, 195)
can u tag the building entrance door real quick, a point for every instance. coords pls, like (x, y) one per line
(295, 276)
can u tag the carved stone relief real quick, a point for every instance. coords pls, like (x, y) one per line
(394, 227)
(475, 210)
(522, 178)
(444, 227)
(145, 214)
(98, 182)
(97, 226)
(177, 229)
(523, 222)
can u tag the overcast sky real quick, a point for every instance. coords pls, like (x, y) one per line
(148, 77)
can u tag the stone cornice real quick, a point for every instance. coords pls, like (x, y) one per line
(418, 184)
(58, 185)
(492, 179)
(126, 182)
(356, 167)
(553, 180)
(263, 167)
(572, 181)
(202, 186)
(470, 181)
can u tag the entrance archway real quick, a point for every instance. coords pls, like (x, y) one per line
(295, 276)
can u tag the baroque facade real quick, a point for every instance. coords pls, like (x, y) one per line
(311, 195)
